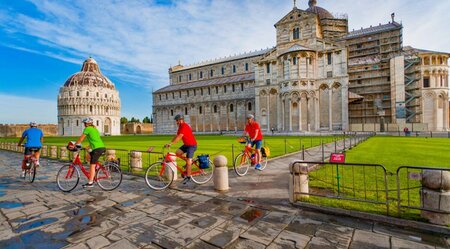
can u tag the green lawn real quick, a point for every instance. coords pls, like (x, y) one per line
(207, 144)
(368, 182)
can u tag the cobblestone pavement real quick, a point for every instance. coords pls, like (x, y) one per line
(38, 215)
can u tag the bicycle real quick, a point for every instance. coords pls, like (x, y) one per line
(160, 175)
(107, 176)
(246, 158)
(30, 165)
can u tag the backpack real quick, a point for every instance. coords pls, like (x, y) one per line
(265, 151)
(203, 161)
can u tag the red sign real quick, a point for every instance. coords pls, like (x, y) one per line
(337, 158)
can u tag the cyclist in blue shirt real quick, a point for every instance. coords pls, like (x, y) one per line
(35, 138)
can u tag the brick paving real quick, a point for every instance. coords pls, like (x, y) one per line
(255, 213)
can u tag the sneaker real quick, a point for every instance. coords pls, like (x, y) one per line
(88, 185)
(23, 174)
(258, 166)
(186, 180)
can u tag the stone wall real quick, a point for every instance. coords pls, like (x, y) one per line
(16, 130)
(136, 128)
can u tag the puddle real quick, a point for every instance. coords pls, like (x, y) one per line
(88, 219)
(34, 239)
(34, 224)
(79, 211)
(252, 215)
(130, 203)
(10, 204)
(2, 193)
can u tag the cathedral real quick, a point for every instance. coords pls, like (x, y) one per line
(318, 77)
(88, 93)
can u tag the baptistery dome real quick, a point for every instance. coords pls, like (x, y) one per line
(323, 13)
(88, 93)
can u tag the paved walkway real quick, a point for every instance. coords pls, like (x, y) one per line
(253, 214)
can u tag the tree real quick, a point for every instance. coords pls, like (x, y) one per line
(123, 120)
(134, 120)
(146, 120)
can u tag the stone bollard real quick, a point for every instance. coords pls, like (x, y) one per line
(44, 151)
(298, 181)
(53, 151)
(435, 194)
(63, 153)
(220, 173)
(136, 160)
(110, 155)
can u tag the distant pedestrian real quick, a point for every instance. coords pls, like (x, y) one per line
(406, 131)
(272, 130)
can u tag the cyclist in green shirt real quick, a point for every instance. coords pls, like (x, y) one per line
(95, 143)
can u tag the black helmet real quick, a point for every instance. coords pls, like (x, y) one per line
(178, 117)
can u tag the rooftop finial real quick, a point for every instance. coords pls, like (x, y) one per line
(312, 3)
(393, 16)
(295, 5)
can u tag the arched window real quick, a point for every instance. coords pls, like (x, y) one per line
(90, 109)
(87, 94)
(296, 33)
(234, 68)
(215, 109)
(217, 90)
(171, 112)
(246, 66)
(106, 96)
(97, 123)
(78, 94)
(201, 75)
(78, 122)
(249, 106)
(231, 108)
(211, 73)
(225, 89)
(97, 94)
(185, 111)
(200, 110)
(223, 70)
(190, 76)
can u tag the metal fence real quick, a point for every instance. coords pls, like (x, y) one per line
(348, 181)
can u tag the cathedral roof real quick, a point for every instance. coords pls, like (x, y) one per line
(422, 51)
(90, 75)
(205, 83)
(222, 60)
(373, 30)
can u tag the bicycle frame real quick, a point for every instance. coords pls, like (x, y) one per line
(167, 159)
(77, 162)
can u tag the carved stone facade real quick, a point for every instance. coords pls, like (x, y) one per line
(88, 93)
(136, 128)
(318, 77)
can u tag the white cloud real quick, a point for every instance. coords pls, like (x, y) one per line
(16, 109)
(139, 40)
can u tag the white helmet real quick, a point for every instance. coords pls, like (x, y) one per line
(33, 124)
(88, 120)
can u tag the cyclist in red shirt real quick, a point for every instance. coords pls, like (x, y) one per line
(189, 144)
(255, 134)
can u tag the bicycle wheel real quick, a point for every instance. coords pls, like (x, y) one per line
(109, 176)
(263, 162)
(67, 178)
(201, 176)
(30, 173)
(241, 164)
(159, 176)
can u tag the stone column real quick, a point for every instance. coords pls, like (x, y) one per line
(268, 111)
(435, 195)
(298, 181)
(290, 114)
(136, 160)
(44, 151)
(330, 108)
(299, 114)
(110, 155)
(220, 173)
(63, 153)
(53, 151)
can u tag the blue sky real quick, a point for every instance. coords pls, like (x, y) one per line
(43, 42)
